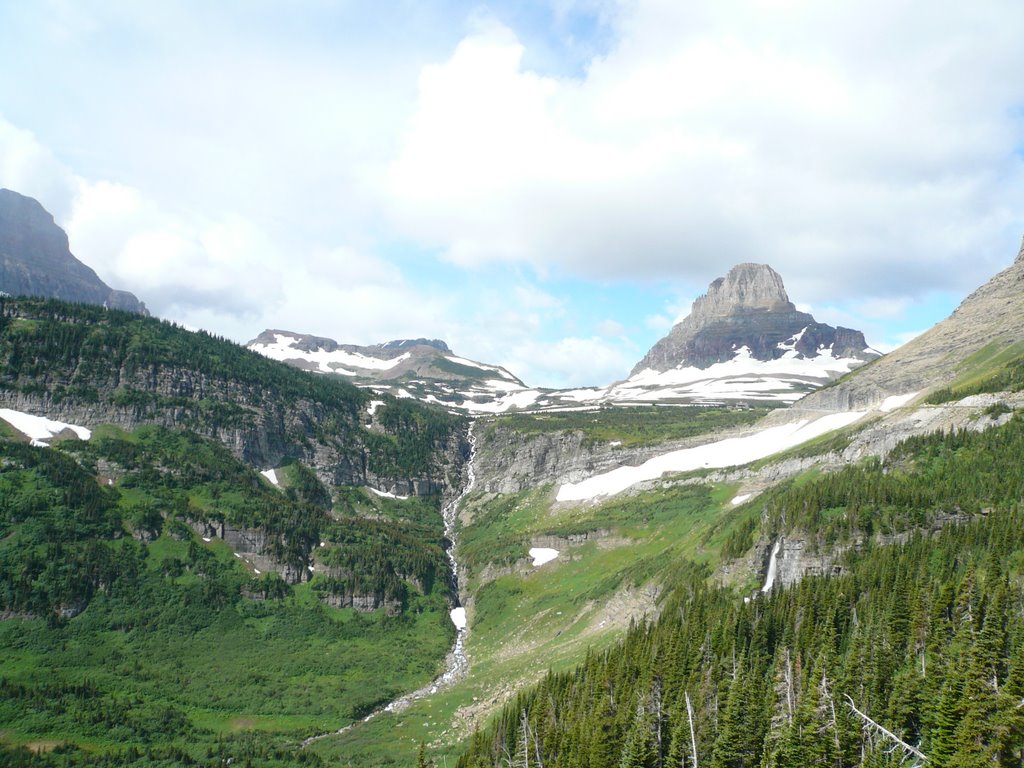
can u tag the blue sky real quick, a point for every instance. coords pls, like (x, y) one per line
(546, 185)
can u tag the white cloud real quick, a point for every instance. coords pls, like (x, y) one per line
(610, 328)
(658, 322)
(239, 174)
(870, 149)
(572, 361)
(27, 167)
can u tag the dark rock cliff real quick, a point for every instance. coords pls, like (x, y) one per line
(35, 259)
(99, 379)
(749, 308)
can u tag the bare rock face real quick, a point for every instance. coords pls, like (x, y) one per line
(35, 259)
(749, 308)
(991, 317)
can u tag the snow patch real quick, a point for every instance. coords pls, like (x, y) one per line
(542, 555)
(718, 455)
(458, 617)
(271, 475)
(386, 494)
(896, 401)
(523, 399)
(373, 406)
(737, 500)
(39, 428)
(283, 350)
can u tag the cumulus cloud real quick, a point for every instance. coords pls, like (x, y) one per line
(571, 361)
(28, 167)
(315, 168)
(863, 148)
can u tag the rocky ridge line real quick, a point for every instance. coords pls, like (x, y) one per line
(749, 307)
(36, 260)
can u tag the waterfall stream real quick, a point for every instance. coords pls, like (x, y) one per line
(769, 579)
(456, 663)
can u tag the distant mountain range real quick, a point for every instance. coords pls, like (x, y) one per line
(743, 341)
(36, 260)
(424, 369)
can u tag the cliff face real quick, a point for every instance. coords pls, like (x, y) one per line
(509, 461)
(749, 308)
(98, 379)
(991, 317)
(35, 259)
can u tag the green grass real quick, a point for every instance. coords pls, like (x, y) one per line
(171, 651)
(527, 620)
(646, 425)
(995, 367)
(292, 666)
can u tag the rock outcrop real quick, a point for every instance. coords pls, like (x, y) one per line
(35, 259)
(992, 317)
(91, 386)
(749, 308)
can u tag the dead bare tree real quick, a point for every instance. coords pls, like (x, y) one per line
(881, 729)
(693, 734)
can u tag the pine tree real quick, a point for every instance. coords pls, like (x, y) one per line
(638, 750)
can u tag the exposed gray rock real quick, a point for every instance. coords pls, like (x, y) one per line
(364, 603)
(749, 308)
(993, 314)
(35, 259)
(508, 461)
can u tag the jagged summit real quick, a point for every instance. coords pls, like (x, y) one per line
(747, 287)
(749, 309)
(36, 260)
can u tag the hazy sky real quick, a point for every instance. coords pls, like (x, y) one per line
(546, 185)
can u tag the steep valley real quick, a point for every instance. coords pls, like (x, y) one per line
(241, 555)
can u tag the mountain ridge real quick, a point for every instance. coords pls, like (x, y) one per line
(748, 307)
(988, 319)
(422, 369)
(36, 260)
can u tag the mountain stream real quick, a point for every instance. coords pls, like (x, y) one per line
(456, 663)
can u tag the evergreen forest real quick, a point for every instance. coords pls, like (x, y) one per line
(912, 655)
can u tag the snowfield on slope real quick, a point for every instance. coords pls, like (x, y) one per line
(39, 428)
(328, 362)
(718, 455)
(542, 555)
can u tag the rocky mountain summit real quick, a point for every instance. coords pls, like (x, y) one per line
(36, 260)
(743, 341)
(749, 308)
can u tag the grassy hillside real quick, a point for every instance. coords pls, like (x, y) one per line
(926, 638)
(642, 425)
(617, 558)
(126, 636)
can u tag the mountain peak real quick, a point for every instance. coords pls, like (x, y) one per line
(35, 259)
(749, 312)
(746, 287)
